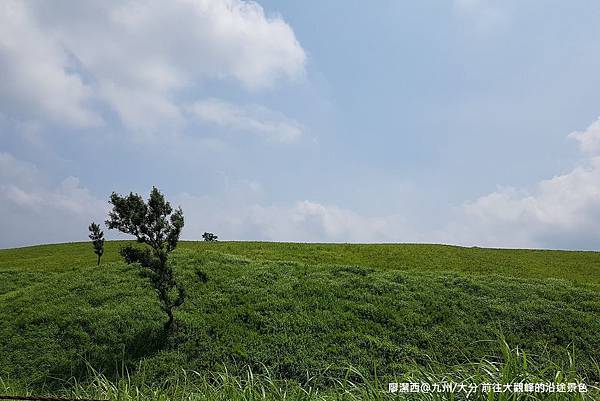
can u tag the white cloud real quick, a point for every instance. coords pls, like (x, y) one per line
(589, 140)
(316, 221)
(36, 82)
(168, 45)
(256, 119)
(240, 213)
(16, 171)
(33, 211)
(563, 211)
(141, 111)
(135, 56)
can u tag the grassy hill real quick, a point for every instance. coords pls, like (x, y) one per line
(294, 308)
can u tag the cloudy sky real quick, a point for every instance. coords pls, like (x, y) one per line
(467, 122)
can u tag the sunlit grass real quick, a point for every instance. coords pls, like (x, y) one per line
(295, 308)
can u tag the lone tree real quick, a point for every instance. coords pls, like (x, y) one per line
(157, 225)
(209, 237)
(97, 237)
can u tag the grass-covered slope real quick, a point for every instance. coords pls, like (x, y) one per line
(293, 308)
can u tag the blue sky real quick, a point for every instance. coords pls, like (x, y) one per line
(467, 122)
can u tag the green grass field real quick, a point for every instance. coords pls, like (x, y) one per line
(297, 310)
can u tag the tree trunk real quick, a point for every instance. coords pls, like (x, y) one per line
(99, 260)
(169, 322)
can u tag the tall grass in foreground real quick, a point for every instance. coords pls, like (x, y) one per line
(349, 384)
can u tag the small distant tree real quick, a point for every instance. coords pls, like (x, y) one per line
(209, 237)
(157, 225)
(97, 237)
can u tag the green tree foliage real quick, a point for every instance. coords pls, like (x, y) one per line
(209, 237)
(157, 225)
(97, 237)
